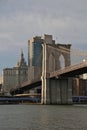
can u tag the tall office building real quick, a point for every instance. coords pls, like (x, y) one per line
(35, 55)
(35, 51)
(14, 77)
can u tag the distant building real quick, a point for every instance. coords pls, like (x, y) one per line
(79, 87)
(0, 79)
(14, 77)
(0, 84)
(84, 76)
(35, 55)
(80, 84)
(0, 89)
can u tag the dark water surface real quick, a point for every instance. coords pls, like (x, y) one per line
(43, 117)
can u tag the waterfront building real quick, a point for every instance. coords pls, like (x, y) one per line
(84, 76)
(0, 84)
(14, 77)
(0, 79)
(79, 87)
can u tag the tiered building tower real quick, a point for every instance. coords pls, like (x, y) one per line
(14, 77)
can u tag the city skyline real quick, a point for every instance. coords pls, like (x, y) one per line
(20, 20)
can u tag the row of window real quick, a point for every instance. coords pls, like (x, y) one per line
(14, 72)
(36, 54)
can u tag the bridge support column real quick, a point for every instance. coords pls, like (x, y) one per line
(56, 91)
(45, 96)
(70, 80)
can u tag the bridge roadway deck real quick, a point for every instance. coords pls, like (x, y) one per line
(26, 86)
(71, 71)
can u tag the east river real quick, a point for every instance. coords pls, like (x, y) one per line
(43, 117)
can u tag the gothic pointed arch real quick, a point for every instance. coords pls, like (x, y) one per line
(62, 61)
(52, 62)
(58, 56)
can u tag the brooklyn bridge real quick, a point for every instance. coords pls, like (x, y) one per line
(56, 82)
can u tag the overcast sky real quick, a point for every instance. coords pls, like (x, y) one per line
(20, 20)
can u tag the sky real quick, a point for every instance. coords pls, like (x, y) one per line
(20, 20)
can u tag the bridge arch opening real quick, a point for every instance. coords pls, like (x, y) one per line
(51, 62)
(62, 61)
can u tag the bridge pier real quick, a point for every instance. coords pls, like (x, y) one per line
(56, 91)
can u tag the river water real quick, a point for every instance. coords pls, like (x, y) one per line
(43, 117)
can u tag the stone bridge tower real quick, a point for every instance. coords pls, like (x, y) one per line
(55, 91)
(53, 54)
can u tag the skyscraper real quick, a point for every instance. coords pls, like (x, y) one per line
(14, 77)
(35, 51)
(35, 55)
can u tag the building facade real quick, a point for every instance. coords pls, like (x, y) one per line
(79, 87)
(35, 55)
(1, 79)
(84, 76)
(14, 77)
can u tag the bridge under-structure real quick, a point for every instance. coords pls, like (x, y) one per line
(26, 86)
(71, 71)
(56, 83)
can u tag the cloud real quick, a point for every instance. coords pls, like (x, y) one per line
(20, 20)
(18, 28)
